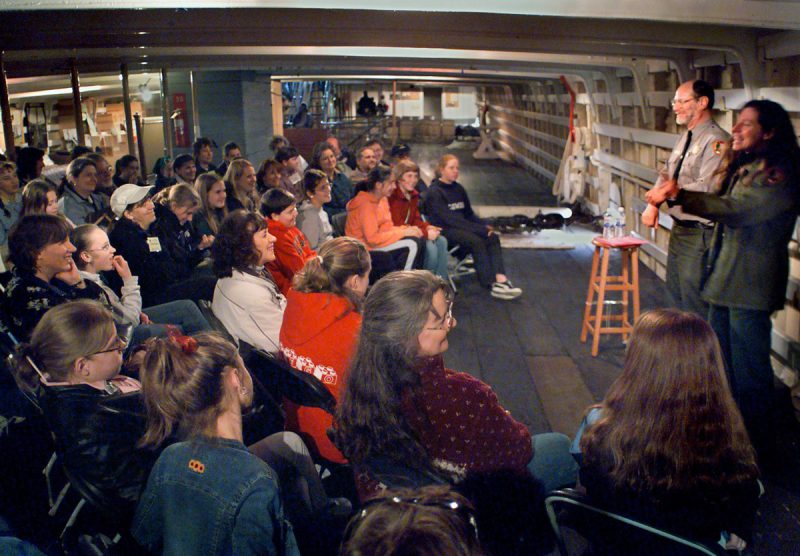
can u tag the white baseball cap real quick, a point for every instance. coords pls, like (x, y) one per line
(128, 194)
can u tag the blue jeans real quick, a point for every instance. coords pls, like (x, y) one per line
(183, 313)
(745, 338)
(552, 463)
(436, 257)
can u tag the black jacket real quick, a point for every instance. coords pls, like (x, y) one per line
(180, 240)
(95, 436)
(447, 206)
(156, 269)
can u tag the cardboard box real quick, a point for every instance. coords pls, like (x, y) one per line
(792, 327)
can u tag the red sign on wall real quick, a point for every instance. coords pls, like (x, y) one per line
(181, 122)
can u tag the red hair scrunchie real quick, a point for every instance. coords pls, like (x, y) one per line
(187, 344)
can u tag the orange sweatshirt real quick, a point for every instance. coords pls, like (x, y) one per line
(291, 253)
(370, 220)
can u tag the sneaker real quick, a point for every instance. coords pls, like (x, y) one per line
(505, 290)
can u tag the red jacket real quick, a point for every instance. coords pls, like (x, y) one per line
(318, 336)
(291, 253)
(406, 211)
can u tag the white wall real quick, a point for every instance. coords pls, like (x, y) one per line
(465, 100)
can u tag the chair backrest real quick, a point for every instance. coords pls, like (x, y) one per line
(216, 324)
(338, 223)
(612, 533)
(301, 388)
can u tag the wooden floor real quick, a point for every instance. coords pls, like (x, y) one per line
(529, 349)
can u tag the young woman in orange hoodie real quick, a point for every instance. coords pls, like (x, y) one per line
(292, 249)
(370, 220)
(320, 327)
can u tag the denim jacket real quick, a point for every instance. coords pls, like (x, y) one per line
(212, 497)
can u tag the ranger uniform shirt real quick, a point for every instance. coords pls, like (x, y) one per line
(702, 160)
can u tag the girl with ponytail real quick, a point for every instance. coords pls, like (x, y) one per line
(209, 493)
(320, 327)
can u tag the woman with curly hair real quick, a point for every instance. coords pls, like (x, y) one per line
(667, 445)
(246, 298)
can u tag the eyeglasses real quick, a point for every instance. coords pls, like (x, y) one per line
(466, 513)
(120, 345)
(106, 247)
(681, 101)
(448, 320)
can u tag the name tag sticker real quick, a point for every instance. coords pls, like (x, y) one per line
(153, 244)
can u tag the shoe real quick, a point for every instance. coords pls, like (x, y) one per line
(505, 290)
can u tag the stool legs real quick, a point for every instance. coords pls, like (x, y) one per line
(601, 298)
(587, 310)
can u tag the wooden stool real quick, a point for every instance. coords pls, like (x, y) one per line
(600, 283)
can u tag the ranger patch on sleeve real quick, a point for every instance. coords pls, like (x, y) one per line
(775, 175)
(718, 147)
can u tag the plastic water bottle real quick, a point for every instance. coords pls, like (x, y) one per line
(608, 225)
(620, 225)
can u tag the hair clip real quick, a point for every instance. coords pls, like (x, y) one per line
(319, 258)
(187, 344)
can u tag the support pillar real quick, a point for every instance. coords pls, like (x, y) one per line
(166, 116)
(5, 108)
(126, 103)
(76, 100)
(195, 111)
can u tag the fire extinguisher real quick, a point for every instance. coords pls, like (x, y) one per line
(181, 126)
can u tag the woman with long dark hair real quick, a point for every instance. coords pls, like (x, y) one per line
(755, 213)
(404, 415)
(667, 444)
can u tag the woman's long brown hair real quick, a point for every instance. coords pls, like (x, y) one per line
(669, 422)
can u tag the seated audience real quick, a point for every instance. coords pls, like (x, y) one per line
(402, 153)
(377, 148)
(44, 274)
(280, 142)
(105, 180)
(268, 175)
(370, 220)
(126, 170)
(447, 206)
(96, 415)
(39, 197)
(404, 206)
(203, 149)
(206, 494)
(430, 521)
(365, 163)
(213, 208)
(324, 158)
(10, 200)
(175, 207)
(311, 218)
(396, 421)
(184, 169)
(246, 300)
(291, 178)
(345, 160)
(165, 175)
(291, 246)
(231, 151)
(133, 235)
(320, 328)
(667, 445)
(240, 181)
(30, 163)
(79, 203)
(95, 254)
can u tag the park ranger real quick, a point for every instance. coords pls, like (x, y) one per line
(692, 164)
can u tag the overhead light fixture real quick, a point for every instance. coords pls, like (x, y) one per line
(55, 92)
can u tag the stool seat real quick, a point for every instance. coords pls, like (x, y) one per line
(600, 283)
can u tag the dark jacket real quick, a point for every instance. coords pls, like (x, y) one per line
(447, 206)
(212, 497)
(95, 436)
(180, 240)
(155, 268)
(755, 214)
(201, 223)
(28, 298)
(341, 193)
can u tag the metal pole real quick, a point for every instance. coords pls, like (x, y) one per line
(139, 141)
(76, 100)
(195, 111)
(5, 108)
(166, 116)
(394, 112)
(126, 103)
